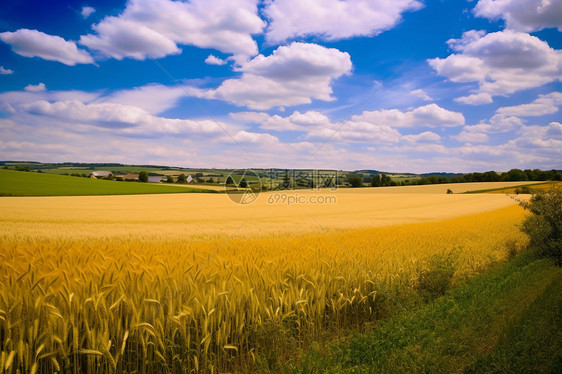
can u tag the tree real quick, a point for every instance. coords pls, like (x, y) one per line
(143, 176)
(182, 179)
(385, 180)
(544, 226)
(355, 181)
(490, 176)
(286, 182)
(169, 179)
(243, 183)
(229, 180)
(376, 181)
(515, 175)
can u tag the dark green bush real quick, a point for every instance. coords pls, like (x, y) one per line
(544, 226)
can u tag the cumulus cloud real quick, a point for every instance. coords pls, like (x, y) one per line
(545, 140)
(502, 63)
(154, 28)
(87, 11)
(33, 43)
(214, 60)
(291, 75)
(124, 119)
(153, 98)
(421, 94)
(295, 122)
(522, 15)
(471, 137)
(318, 126)
(36, 87)
(5, 71)
(499, 123)
(369, 127)
(424, 137)
(431, 115)
(475, 99)
(254, 137)
(554, 131)
(333, 19)
(545, 104)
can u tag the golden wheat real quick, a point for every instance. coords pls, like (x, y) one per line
(99, 288)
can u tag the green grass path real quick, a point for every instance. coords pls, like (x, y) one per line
(505, 321)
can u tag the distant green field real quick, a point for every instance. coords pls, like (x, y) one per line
(19, 183)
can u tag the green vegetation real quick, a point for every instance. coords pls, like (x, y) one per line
(143, 177)
(507, 320)
(544, 226)
(18, 183)
(355, 181)
(275, 179)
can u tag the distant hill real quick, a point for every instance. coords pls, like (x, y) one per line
(442, 174)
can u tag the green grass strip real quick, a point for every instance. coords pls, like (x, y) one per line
(507, 320)
(508, 187)
(19, 183)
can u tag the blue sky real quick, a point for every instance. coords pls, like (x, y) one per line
(393, 85)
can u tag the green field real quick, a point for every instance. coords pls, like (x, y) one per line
(19, 183)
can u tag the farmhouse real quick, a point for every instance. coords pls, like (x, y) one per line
(131, 177)
(100, 174)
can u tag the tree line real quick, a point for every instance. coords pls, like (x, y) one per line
(514, 175)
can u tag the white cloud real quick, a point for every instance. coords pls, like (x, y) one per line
(421, 94)
(124, 119)
(5, 71)
(356, 131)
(369, 127)
(291, 75)
(523, 15)
(214, 60)
(430, 115)
(154, 28)
(554, 131)
(475, 99)
(153, 98)
(499, 123)
(545, 104)
(333, 19)
(253, 137)
(471, 137)
(468, 37)
(36, 87)
(545, 141)
(87, 11)
(502, 63)
(424, 137)
(295, 122)
(33, 43)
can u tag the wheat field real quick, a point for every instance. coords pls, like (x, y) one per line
(195, 283)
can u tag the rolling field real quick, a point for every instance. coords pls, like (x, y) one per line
(17, 183)
(196, 283)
